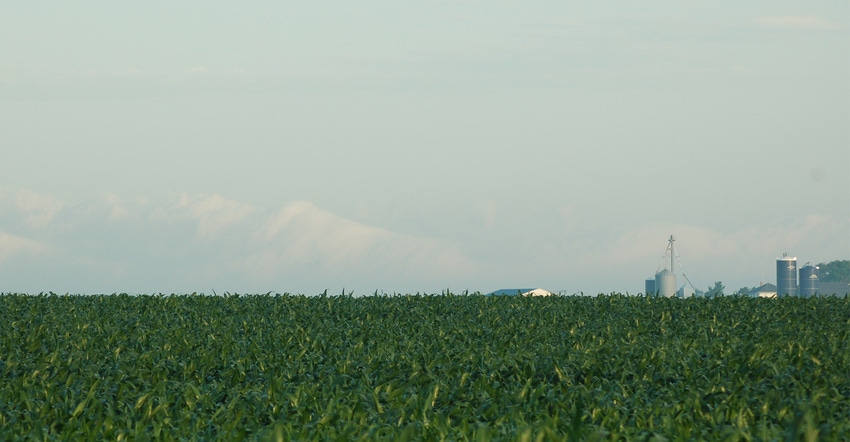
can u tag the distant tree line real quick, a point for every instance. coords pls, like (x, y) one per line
(716, 290)
(835, 271)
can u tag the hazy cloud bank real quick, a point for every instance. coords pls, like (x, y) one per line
(204, 242)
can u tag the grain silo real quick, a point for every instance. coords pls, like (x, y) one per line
(786, 276)
(809, 280)
(665, 283)
(650, 287)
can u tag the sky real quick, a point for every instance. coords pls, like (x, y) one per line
(423, 146)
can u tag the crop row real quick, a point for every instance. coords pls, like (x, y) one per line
(422, 367)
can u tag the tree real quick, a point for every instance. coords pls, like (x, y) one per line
(743, 291)
(835, 271)
(715, 291)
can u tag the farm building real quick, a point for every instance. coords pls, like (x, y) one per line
(764, 291)
(521, 292)
(686, 291)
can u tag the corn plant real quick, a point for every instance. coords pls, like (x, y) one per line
(439, 367)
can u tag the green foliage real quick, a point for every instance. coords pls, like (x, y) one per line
(715, 291)
(743, 291)
(835, 271)
(423, 367)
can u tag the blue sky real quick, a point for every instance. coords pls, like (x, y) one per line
(416, 146)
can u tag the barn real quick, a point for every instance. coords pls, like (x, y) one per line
(521, 292)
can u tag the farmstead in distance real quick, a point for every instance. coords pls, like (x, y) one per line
(809, 285)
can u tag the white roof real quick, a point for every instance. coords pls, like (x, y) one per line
(538, 292)
(521, 292)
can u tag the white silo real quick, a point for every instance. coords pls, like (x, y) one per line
(665, 283)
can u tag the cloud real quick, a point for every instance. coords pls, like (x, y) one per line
(108, 207)
(301, 234)
(15, 246)
(186, 241)
(213, 213)
(36, 210)
(795, 22)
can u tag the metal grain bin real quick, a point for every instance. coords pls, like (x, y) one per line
(809, 281)
(786, 276)
(650, 287)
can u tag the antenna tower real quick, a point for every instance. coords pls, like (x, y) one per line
(672, 253)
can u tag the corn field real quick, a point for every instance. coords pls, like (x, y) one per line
(440, 367)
